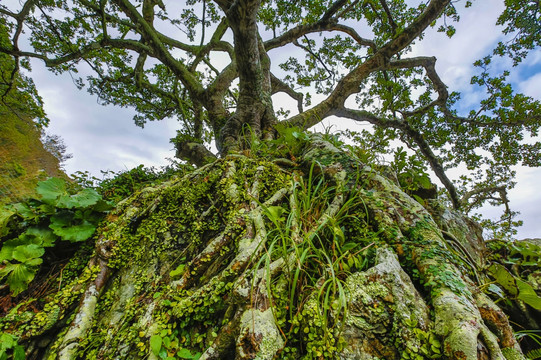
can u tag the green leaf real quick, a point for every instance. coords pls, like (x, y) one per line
(274, 213)
(25, 211)
(155, 344)
(102, 206)
(83, 199)
(45, 236)
(7, 341)
(179, 270)
(504, 278)
(338, 233)
(18, 276)
(73, 233)
(18, 353)
(51, 189)
(528, 295)
(10, 245)
(24, 253)
(185, 354)
(5, 216)
(515, 286)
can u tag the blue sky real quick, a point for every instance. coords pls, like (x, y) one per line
(105, 138)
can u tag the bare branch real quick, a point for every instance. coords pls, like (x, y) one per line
(482, 194)
(280, 86)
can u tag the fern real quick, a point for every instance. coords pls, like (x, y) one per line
(534, 354)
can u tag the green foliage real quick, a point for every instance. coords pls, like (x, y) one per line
(512, 262)
(9, 345)
(430, 348)
(309, 297)
(117, 186)
(166, 346)
(517, 288)
(26, 229)
(521, 19)
(404, 99)
(411, 172)
(17, 92)
(535, 336)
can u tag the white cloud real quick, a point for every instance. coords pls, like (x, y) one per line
(531, 86)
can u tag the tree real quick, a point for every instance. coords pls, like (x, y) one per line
(300, 235)
(137, 64)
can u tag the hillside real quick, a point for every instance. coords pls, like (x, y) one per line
(23, 158)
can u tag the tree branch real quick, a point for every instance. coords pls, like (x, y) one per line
(280, 86)
(350, 83)
(185, 76)
(413, 135)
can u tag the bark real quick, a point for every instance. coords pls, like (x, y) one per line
(248, 258)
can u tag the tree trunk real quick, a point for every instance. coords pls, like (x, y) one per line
(247, 258)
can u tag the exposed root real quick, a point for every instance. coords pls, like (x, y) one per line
(256, 285)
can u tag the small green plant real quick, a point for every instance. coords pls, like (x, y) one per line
(512, 261)
(166, 345)
(9, 346)
(535, 337)
(26, 229)
(310, 234)
(411, 173)
(118, 185)
(290, 140)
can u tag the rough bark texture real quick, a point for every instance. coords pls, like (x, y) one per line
(247, 259)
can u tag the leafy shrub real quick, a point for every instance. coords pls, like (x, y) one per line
(119, 185)
(27, 228)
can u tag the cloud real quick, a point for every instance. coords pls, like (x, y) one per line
(100, 137)
(531, 86)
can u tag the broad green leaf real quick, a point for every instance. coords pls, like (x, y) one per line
(62, 219)
(18, 353)
(179, 270)
(45, 236)
(185, 354)
(7, 341)
(155, 344)
(74, 233)
(9, 246)
(5, 216)
(504, 278)
(274, 213)
(24, 253)
(51, 189)
(102, 206)
(515, 286)
(528, 294)
(47, 209)
(18, 276)
(83, 199)
(25, 211)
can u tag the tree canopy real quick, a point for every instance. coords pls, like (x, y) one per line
(214, 65)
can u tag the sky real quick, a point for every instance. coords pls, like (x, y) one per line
(106, 138)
